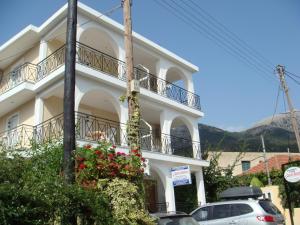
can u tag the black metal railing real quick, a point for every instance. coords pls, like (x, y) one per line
(100, 61)
(26, 72)
(18, 138)
(51, 63)
(105, 63)
(91, 128)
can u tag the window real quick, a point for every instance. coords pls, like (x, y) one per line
(221, 211)
(245, 165)
(202, 214)
(240, 209)
(12, 122)
(269, 207)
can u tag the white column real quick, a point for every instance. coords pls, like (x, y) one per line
(169, 193)
(38, 110)
(43, 50)
(161, 71)
(200, 187)
(190, 83)
(196, 141)
(165, 125)
(123, 120)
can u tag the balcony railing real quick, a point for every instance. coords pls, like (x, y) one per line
(18, 138)
(26, 72)
(100, 61)
(91, 128)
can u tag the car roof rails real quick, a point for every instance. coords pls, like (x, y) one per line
(237, 193)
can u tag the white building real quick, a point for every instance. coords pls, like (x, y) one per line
(31, 94)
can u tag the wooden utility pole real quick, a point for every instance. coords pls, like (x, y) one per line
(265, 160)
(132, 93)
(281, 74)
(69, 94)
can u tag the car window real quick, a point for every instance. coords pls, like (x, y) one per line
(202, 214)
(269, 207)
(240, 209)
(177, 221)
(221, 211)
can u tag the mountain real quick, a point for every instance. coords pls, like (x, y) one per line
(278, 136)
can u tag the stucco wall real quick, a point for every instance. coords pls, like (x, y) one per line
(52, 107)
(53, 45)
(98, 112)
(26, 115)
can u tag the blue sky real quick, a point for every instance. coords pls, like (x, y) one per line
(233, 95)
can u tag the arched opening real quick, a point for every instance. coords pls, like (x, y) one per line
(181, 138)
(154, 192)
(98, 118)
(98, 50)
(176, 77)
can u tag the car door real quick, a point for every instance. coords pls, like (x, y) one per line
(240, 213)
(221, 215)
(202, 215)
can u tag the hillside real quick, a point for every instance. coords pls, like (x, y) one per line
(278, 136)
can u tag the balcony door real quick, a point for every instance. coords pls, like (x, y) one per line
(12, 132)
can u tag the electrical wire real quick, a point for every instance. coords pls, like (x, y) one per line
(222, 30)
(192, 20)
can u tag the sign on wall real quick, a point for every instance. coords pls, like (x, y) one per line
(181, 175)
(292, 174)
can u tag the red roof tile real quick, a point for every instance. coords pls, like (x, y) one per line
(274, 163)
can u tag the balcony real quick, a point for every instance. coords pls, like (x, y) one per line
(104, 63)
(91, 129)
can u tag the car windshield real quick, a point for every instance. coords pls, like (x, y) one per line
(269, 207)
(177, 221)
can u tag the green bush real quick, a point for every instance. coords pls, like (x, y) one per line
(33, 192)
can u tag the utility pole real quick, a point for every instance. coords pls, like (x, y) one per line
(132, 84)
(281, 73)
(69, 94)
(265, 160)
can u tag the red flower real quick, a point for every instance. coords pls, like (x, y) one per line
(80, 159)
(134, 151)
(138, 154)
(113, 174)
(127, 167)
(143, 159)
(82, 166)
(97, 152)
(113, 146)
(111, 155)
(88, 146)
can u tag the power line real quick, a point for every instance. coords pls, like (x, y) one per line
(192, 20)
(296, 81)
(108, 12)
(231, 37)
(292, 74)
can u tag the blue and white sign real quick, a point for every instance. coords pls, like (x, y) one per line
(181, 175)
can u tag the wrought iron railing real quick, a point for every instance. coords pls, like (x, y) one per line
(26, 72)
(51, 63)
(91, 128)
(166, 89)
(100, 61)
(18, 138)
